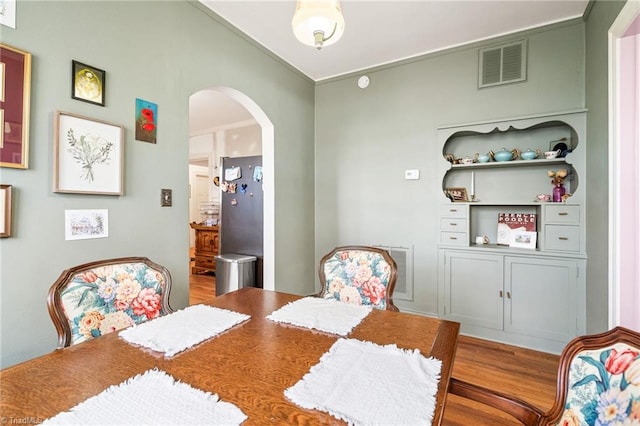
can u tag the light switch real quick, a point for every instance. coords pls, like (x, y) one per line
(412, 174)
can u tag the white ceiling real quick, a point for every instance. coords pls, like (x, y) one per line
(383, 32)
(376, 33)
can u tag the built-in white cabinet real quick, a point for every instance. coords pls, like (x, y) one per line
(534, 296)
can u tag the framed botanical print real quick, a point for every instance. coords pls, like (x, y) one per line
(88, 155)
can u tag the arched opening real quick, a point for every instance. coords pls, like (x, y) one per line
(215, 108)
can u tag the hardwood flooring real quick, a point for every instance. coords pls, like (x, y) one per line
(524, 373)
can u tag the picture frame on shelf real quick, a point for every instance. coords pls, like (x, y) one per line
(88, 155)
(88, 83)
(86, 224)
(456, 194)
(15, 73)
(5, 210)
(523, 239)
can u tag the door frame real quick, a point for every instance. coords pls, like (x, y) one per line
(624, 179)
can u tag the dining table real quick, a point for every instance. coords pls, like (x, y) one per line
(249, 365)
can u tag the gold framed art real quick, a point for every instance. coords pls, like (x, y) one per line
(5, 210)
(15, 95)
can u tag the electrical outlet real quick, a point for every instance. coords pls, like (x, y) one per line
(412, 174)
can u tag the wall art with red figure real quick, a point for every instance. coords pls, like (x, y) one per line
(146, 121)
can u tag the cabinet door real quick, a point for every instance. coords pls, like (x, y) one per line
(473, 288)
(207, 242)
(541, 297)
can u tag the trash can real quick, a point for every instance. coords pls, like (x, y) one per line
(234, 271)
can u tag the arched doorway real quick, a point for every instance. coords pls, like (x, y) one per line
(268, 166)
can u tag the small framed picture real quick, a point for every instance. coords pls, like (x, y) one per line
(523, 239)
(87, 83)
(146, 121)
(456, 194)
(88, 155)
(5, 210)
(86, 224)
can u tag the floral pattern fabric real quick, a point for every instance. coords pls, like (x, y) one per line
(357, 277)
(604, 388)
(109, 298)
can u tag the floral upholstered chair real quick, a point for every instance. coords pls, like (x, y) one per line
(598, 384)
(100, 297)
(360, 275)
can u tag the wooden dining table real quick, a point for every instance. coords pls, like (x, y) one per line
(249, 365)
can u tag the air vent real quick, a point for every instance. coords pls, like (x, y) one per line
(403, 257)
(503, 64)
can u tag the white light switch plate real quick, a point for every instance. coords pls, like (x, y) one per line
(412, 174)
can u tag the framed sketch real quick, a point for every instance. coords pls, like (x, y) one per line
(88, 155)
(87, 83)
(15, 95)
(5, 210)
(86, 224)
(8, 13)
(523, 239)
(456, 194)
(146, 121)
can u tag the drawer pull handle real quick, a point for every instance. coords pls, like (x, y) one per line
(508, 295)
(453, 224)
(501, 294)
(453, 210)
(563, 238)
(453, 238)
(563, 214)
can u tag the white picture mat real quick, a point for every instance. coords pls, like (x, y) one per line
(86, 224)
(8, 13)
(2, 80)
(523, 239)
(70, 174)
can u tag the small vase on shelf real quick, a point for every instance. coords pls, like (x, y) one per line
(558, 192)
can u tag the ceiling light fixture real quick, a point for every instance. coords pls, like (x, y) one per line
(318, 22)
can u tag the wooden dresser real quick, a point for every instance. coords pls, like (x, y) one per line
(206, 249)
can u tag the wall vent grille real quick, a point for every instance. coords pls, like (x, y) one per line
(503, 64)
(403, 257)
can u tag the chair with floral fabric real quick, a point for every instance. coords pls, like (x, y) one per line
(103, 296)
(361, 275)
(598, 384)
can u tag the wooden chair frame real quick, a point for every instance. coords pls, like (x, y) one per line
(54, 301)
(385, 255)
(526, 413)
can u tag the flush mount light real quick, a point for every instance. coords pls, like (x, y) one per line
(318, 22)
(363, 82)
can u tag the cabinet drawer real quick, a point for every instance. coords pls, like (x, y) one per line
(562, 238)
(453, 224)
(451, 210)
(206, 262)
(562, 213)
(454, 238)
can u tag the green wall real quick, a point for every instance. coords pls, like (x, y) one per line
(600, 18)
(161, 51)
(366, 139)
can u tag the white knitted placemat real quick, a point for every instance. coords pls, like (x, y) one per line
(151, 398)
(328, 315)
(368, 384)
(182, 329)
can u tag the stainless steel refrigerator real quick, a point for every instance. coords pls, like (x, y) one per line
(241, 209)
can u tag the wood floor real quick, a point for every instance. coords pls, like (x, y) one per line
(529, 375)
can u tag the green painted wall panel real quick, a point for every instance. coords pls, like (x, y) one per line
(161, 51)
